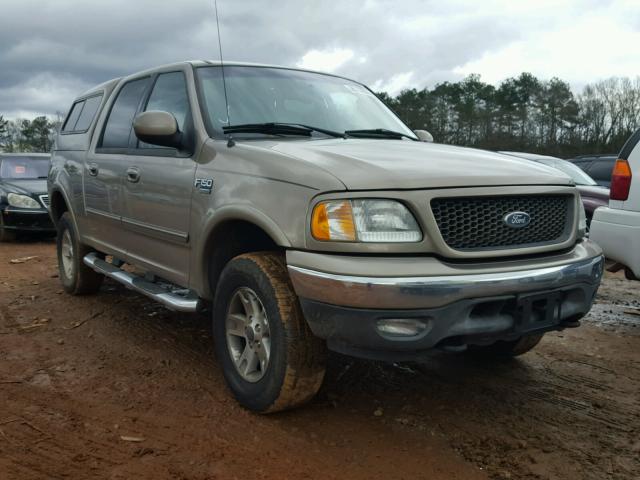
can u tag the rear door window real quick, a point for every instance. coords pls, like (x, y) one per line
(88, 112)
(169, 94)
(72, 118)
(118, 127)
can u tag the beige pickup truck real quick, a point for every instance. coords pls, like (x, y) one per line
(302, 214)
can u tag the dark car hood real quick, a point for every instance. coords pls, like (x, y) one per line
(25, 187)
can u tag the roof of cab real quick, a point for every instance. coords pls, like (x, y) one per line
(109, 85)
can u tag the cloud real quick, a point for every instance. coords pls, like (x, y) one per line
(325, 60)
(52, 51)
(592, 47)
(395, 84)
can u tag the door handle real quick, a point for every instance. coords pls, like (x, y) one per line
(133, 174)
(93, 169)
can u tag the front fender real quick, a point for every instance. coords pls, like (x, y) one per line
(245, 213)
(217, 218)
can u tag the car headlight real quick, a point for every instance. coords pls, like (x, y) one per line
(22, 201)
(364, 220)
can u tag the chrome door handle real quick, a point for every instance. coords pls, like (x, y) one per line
(133, 174)
(93, 169)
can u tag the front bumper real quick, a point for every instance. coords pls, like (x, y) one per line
(28, 220)
(465, 308)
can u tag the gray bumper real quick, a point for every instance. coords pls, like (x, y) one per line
(432, 292)
(455, 310)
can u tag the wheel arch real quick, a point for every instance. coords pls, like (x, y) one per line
(235, 231)
(58, 205)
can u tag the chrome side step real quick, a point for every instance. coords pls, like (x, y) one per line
(177, 299)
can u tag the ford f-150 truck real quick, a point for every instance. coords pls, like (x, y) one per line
(302, 213)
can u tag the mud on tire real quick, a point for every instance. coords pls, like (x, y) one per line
(75, 276)
(296, 363)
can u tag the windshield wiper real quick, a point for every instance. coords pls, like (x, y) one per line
(274, 128)
(379, 132)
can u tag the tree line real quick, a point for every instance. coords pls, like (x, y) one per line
(525, 114)
(522, 113)
(23, 135)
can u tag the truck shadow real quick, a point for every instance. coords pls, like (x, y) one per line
(346, 377)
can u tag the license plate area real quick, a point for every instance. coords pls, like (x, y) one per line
(538, 311)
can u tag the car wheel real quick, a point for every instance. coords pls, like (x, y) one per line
(75, 276)
(5, 234)
(508, 349)
(270, 359)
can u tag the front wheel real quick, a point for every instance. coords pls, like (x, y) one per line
(270, 359)
(509, 349)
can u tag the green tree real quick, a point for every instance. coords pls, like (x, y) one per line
(35, 135)
(5, 137)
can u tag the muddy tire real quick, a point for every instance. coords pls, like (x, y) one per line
(508, 349)
(75, 276)
(6, 235)
(270, 359)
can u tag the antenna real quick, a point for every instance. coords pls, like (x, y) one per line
(224, 81)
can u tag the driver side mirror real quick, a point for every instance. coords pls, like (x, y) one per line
(423, 136)
(158, 128)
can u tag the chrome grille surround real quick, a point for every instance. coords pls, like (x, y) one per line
(476, 223)
(44, 200)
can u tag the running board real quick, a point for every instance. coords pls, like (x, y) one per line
(179, 300)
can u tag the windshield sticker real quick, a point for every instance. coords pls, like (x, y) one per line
(20, 169)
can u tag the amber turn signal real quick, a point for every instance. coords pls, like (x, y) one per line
(333, 220)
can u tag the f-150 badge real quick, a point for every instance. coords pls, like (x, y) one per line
(204, 185)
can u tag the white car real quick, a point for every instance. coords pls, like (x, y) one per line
(617, 227)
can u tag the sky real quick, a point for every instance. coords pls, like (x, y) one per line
(53, 50)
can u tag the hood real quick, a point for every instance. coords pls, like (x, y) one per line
(372, 164)
(25, 187)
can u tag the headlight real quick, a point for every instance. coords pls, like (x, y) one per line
(22, 201)
(370, 220)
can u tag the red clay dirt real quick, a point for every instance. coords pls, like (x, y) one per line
(114, 386)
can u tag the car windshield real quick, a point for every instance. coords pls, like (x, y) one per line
(259, 95)
(24, 168)
(575, 172)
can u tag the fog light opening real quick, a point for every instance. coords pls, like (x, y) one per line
(401, 327)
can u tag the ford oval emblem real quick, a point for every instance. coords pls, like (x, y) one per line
(517, 219)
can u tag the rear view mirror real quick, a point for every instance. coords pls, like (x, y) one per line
(158, 128)
(424, 136)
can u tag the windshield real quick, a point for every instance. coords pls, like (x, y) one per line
(259, 95)
(24, 168)
(575, 172)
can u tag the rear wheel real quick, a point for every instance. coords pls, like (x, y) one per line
(270, 359)
(6, 235)
(509, 349)
(75, 276)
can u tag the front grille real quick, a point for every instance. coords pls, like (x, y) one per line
(44, 199)
(477, 223)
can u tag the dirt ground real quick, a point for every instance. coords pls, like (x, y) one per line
(113, 386)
